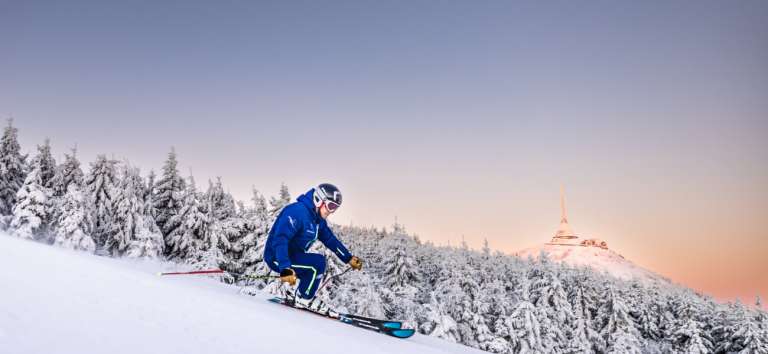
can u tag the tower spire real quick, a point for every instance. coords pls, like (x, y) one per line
(563, 215)
(564, 234)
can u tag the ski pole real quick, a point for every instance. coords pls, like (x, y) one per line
(220, 271)
(207, 271)
(327, 280)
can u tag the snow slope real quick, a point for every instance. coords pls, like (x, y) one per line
(57, 301)
(597, 258)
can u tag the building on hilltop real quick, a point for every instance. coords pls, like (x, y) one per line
(565, 235)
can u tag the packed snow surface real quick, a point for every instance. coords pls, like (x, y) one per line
(600, 259)
(54, 300)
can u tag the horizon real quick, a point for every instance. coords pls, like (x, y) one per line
(458, 120)
(473, 246)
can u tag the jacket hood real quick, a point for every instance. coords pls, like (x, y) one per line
(306, 199)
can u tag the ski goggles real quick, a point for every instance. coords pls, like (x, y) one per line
(332, 206)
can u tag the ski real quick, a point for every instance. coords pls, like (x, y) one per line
(376, 322)
(390, 328)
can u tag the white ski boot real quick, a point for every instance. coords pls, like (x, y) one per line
(315, 305)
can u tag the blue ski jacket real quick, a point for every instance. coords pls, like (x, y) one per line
(297, 227)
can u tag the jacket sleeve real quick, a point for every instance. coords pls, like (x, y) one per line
(330, 241)
(285, 228)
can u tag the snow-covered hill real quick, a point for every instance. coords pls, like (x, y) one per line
(597, 258)
(57, 301)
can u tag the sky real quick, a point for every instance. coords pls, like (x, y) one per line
(460, 120)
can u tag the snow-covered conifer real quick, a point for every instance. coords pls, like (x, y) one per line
(149, 193)
(100, 185)
(192, 224)
(691, 339)
(47, 164)
(277, 204)
(135, 232)
(169, 196)
(212, 243)
(617, 327)
(74, 226)
(222, 204)
(67, 173)
(526, 330)
(31, 212)
(12, 171)
(249, 250)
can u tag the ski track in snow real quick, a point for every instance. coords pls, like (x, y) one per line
(54, 300)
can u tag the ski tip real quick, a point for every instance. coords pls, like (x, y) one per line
(401, 333)
(393, 325)
(160, 274)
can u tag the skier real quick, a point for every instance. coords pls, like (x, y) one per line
(295, 230)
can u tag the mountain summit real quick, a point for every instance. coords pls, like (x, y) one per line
(565, 246)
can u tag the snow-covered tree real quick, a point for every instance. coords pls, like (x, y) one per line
(222, 204)
(74, 225)
(212, 242)
(67, 173)
(400, 276)
(192, 221)
(526, 329)
(169, 196)
(100, 185)
(617, 327)
(583, 299)
(248, 251)
(277, 204)
(30, 214)
(690, 338)
(47, 164)
(12, 171)
(149, 194)
(135, 232)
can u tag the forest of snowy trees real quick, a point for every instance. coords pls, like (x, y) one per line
(484, 299)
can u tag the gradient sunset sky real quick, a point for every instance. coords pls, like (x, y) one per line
(461, 119)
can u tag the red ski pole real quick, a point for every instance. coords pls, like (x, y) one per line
(208, 271)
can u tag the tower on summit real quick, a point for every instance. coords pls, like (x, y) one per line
(564, 234)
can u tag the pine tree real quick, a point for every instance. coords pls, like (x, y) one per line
(400, 277)
(583, 301)
(249, 250)
(359, 294)
(222, 204)
(184, 240)
(526, 330)
(750, 337)
(47, 164)
(12, 171)
(169, 196)
(213, 242)
(100, 185)
(691, 339)
(149, 194)
(135, 232)
(67, 173)
(491, 308)
(617, 327)
(277, 204)
(30, 214)
(554, 310)
(74, 226)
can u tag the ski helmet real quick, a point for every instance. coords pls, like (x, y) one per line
(328, 194)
